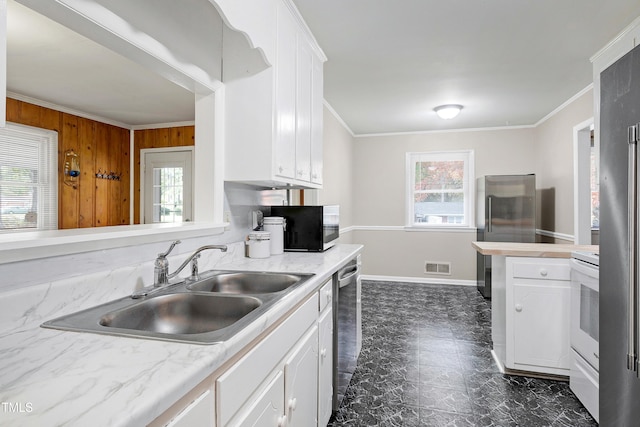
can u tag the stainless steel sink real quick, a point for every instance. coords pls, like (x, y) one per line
(208, 311)
(182, 313)
(246, 282)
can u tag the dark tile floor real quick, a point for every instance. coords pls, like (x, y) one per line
(426, 361)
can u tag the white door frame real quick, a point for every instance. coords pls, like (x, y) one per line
(144, 152)
(582, 182)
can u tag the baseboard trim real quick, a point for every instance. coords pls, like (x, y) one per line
(425, 280)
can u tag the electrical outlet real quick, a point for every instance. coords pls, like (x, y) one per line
(227, 218)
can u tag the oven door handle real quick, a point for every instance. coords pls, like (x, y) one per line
(584, 268)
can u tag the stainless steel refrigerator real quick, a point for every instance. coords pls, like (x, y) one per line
(506, 212)
(619, 238)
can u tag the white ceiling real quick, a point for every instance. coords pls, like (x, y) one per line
(390, 62)
(48, 62)
(509, 62)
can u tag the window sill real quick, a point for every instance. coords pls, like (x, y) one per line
(31, 245)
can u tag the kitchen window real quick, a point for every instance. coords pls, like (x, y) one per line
(440, 189)
(28, 178)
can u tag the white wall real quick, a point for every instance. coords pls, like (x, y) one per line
(338, 178)
(379, 188)
(554, 168)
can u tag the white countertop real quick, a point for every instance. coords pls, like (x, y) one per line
(52, 377)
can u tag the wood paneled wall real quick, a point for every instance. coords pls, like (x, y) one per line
(156, 138)
(101, 147)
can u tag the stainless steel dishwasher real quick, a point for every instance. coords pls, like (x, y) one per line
(347, 339)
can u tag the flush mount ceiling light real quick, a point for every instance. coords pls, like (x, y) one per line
(448, 111)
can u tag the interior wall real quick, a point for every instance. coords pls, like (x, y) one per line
(180, 136)
(92, 202)
(338, 178)
(380, 190)
(554, 165)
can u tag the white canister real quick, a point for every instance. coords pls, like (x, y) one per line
(276, 226)
(259, 244)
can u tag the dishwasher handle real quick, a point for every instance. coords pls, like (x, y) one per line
(347, 279)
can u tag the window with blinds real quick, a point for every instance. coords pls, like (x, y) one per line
(28, 178)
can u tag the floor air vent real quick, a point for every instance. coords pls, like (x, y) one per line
(433, 267)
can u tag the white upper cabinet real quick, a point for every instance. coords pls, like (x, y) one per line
(316, 121)
(274, 114)
(285, 94)
(303, 112)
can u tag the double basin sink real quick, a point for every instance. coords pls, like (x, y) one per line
(206, 311)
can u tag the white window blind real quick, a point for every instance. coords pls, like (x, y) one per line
(28, 178)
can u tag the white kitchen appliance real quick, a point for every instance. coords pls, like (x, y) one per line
(585, 329)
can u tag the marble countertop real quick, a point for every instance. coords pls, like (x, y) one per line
(53, 378)
(541, 250)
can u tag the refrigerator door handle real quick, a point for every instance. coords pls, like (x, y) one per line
(632, 361)
(490, 215)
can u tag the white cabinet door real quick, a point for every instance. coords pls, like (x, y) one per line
(301, 382)
(303, 111)
(541, 323)
(268, 408)
(285, 94)
(317, 98)
(325, 367)
(235, 388)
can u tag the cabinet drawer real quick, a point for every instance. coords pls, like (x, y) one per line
(542, 270)
(326, 294)
(236, 385)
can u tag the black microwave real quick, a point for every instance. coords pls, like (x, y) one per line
(309, 228)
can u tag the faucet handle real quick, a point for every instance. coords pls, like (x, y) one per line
(173, 245)
(194, 268)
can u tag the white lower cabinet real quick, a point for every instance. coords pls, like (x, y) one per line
(301, 382)
(538, 292)
(276, 382)
(325, 356)
(268, 407)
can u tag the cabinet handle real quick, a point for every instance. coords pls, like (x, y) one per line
(518, 308)
(596, 355)
(280, 169)
(632, 213)
(323, 353)
(544, 273)
(292, 404)
(282, 421)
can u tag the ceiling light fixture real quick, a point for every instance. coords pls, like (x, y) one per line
(448, 111)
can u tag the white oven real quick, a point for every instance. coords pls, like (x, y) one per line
(585, 329)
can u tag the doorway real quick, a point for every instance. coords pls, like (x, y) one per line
(166, 175)
(586, 184)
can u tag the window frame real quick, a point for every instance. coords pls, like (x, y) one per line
(467, 156)
(47, 215)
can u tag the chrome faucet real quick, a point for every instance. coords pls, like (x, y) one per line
(161, 276)
(161, 267)
(194, 266)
